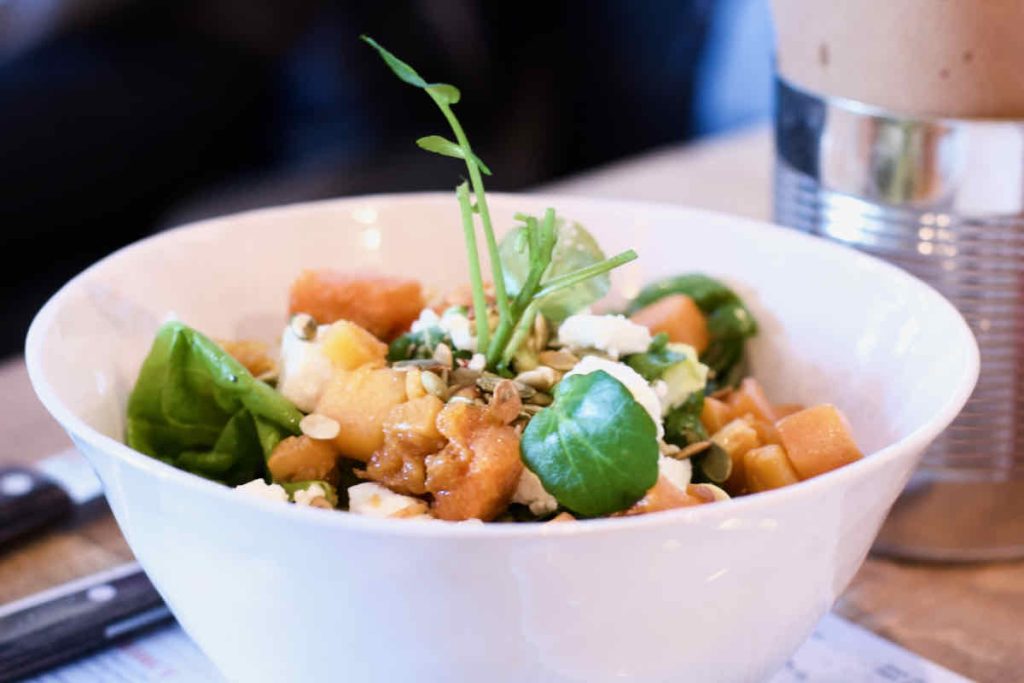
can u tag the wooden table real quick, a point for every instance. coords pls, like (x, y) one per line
(970, 618)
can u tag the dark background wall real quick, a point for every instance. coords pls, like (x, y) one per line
(119, 117)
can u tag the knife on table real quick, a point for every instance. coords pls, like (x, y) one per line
(66, 622)
(34, 498)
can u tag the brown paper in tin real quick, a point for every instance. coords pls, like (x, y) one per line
(957, 58)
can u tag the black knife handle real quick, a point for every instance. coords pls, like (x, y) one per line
(66, 622)
(29, 502)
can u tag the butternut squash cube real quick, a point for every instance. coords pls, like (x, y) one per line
(817, 440)
(750, 398)
(300, 458)
(360, 400)
(736, 438)
(715, 414)
(768, 467)
(350, 346)
(678, 317)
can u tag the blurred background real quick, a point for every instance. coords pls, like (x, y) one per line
(123, 117)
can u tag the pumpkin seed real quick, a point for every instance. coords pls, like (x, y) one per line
(559, 360)
(541, 378)
(529, 410)
(443, 355)
(505, 402)
(434, 384)
(319, 427)
(303, 326)
(489, 382)
(692, 449)
(420, 363)
(464, 376)
(459, 398)
(541, 399)
(541, 333)
(468, 392)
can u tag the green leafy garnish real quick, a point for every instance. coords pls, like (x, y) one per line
(197, 408)
(421, 345)
(575, 248)
(730, 323)
(595, 448)
(652, 363)
(682, 424)
(515, 316)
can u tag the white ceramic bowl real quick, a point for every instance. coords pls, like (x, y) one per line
(723, 592)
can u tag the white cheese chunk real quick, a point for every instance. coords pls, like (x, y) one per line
(452, 322)
(261, 489)
(616, 335)
(305, 369)
(307, 495)
(530, 492)
(374, 500)
(637, 385)
(679, 472)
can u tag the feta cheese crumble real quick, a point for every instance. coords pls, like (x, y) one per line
(374, 500)
(679, 472)
(307, 495)
(261, 489)
(530, 492)
(637, 385)
(616, 335)
(305, 369)
(454, 322)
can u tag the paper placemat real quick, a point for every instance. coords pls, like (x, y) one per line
(837, 652)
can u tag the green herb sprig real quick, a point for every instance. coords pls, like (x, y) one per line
(515, 315)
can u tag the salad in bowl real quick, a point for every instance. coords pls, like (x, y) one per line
(355, 355)
(508, 399)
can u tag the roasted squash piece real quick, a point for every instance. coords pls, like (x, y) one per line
(736, 438)
(768, 467)
(817, 440)
(678, 317)
(715, 414)
(300, 458)
(410, 434)
(360, 400)
(385, 306)
(349, 346)
(750, 398)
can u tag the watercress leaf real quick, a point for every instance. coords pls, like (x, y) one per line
(400, 68)
(197, 408)
(658, 358)
(682, 424)
(595, 448)
(575, 248)
(445, 147)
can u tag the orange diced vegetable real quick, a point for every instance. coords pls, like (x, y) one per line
(767, 432)
(253, 355)
(349, 346)
(736, 438)
(768, 467)
(715, 414)
(784, 409)
(360, 400)
(301, 458)
(750, 398)
(664, 495)
(385, 306)
(678, 317)
(817, 440)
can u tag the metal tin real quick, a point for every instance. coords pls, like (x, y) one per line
(944, 199)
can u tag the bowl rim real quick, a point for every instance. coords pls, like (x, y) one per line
(912, 443)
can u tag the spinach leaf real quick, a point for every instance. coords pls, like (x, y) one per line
(682, 424)
(730, 323)
(418, 344)
(595, 448)
(575, 248)
(652, 363)
(197, 408)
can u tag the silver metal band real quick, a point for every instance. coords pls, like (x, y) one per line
(944, 199)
